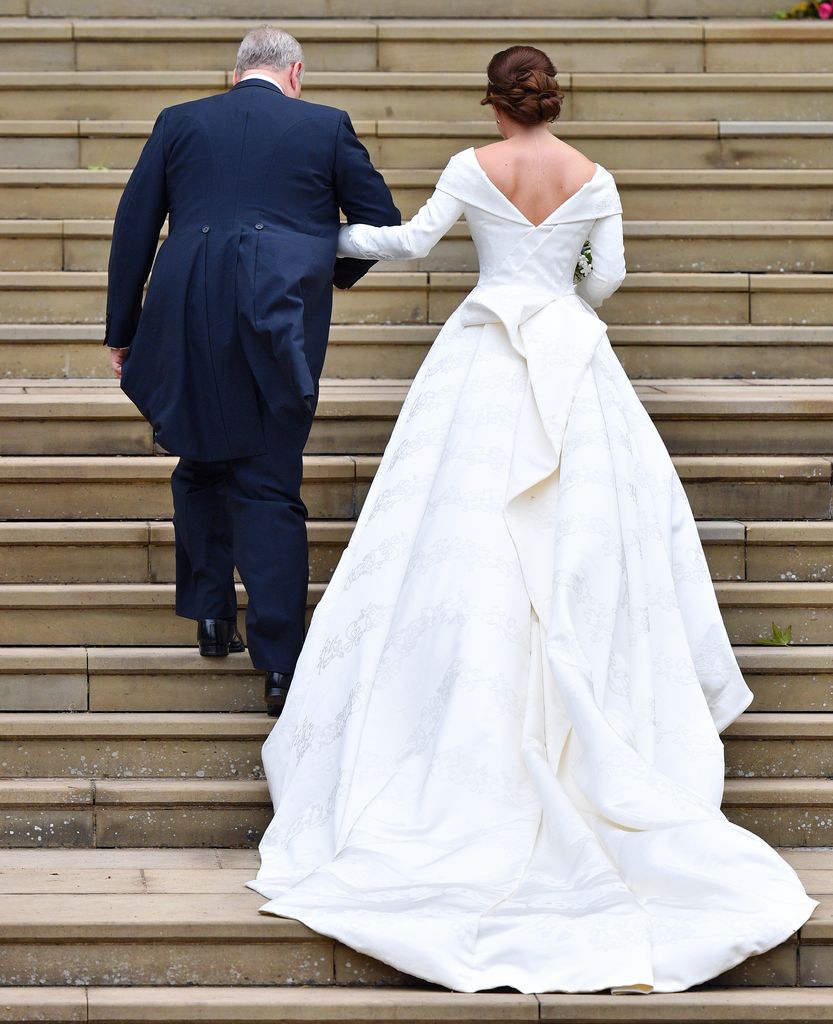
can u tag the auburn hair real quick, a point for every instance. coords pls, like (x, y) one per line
(522, 85)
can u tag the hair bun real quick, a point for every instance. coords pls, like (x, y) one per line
(522, 85)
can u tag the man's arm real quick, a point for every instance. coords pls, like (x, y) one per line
(363, 196)
(139, 219)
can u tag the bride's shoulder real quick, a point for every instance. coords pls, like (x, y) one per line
(462, 157)
(457, 171)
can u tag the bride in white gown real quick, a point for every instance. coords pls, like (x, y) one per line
(499, 761)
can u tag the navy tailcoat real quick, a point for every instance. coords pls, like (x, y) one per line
(240, 296)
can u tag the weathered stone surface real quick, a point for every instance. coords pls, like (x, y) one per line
(32, 679)
(167, 813)
(134, 745)
(93, 962)
(784, 812)
(46, 813)
(788, 678)
(28, 1005)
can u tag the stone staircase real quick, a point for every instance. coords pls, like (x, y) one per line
(132, 797)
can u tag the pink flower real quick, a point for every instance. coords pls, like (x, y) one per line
(825, 10)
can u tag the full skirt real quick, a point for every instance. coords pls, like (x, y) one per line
(499, 763)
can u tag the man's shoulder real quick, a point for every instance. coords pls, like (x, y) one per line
(306, 110)
(317, 118)
(294, 111)
(190, 108)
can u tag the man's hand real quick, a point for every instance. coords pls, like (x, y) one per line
(117, 359)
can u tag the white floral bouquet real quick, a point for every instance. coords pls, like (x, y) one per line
(584, 267)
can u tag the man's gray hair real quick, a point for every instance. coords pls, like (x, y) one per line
(268, 46)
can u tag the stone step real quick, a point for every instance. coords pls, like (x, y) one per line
(136, 679)
(205, 924)
(793, 678)
(260, 9)
(118, 613)
(326, 1005)
(143, 551)
(386, 296)
(779, 745)
(208, 745)
(354, 418)
(256, 1004)
(724, 194)
(783, 679)
(143, 613)
(747, 194)
(651, 246)
(108, 613)
(694, 417)
(784, 812)
(693, 351)
(617, 145)
(112, 488)
(175, 813)
(396, 351)
(136, 745)
(428, 45)
(73, 813)
(783, 551)
(129, 488)
(125, 44)
(330, 45)
(750, 609)
(89, 143)
(416, 95)
(329, 1006)
(681, 298)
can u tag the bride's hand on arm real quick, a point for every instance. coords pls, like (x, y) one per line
(411, 240)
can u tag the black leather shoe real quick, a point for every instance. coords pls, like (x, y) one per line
(219, 637)
(236, 645)
(276, 692)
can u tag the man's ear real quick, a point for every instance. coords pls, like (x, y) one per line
(235, 78)
(295, 76)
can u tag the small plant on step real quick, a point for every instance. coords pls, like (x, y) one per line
(779, 638)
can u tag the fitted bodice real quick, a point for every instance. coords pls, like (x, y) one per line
(512, 251)
(550, 250)
(508, 243)
(535, 263)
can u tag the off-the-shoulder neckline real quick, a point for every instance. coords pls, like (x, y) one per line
(509, 202)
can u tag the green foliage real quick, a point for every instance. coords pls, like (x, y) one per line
(806, 9)
(779, 638)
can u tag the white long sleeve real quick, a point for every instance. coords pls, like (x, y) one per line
(411, 240)
(608, 249)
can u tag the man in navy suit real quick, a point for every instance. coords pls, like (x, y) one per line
(224, 356)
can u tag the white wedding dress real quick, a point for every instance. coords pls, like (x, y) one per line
(499, 763)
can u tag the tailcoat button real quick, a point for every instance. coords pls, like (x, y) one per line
(205, 229)
(258, 227)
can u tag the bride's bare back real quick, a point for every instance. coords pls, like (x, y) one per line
(535, 171)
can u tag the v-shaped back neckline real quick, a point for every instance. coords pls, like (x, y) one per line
(519, 212)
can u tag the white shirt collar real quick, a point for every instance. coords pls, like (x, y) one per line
(263, 78)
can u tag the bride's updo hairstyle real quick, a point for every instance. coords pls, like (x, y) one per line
(522, 85)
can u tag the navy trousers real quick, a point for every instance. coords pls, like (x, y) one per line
(248, 513)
